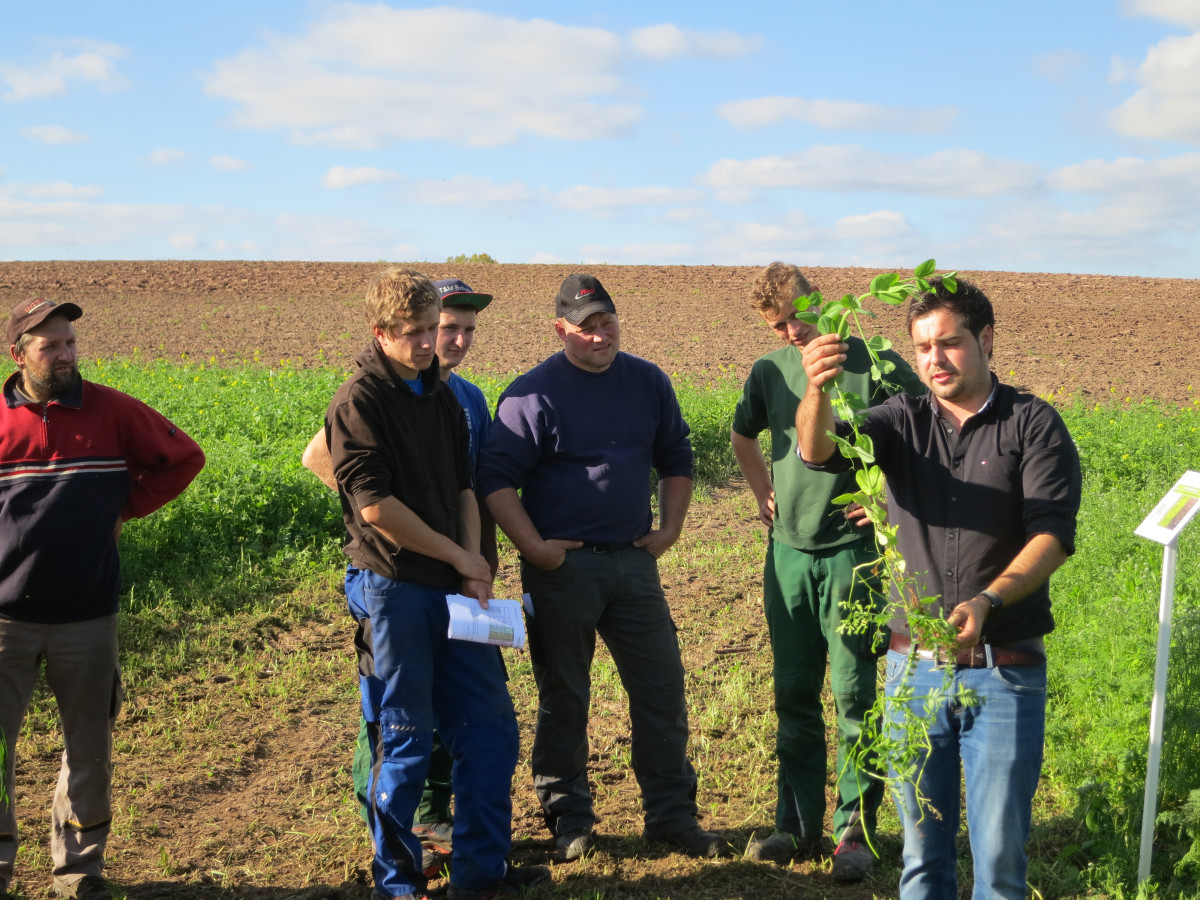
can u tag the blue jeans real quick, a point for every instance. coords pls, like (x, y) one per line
(413, 679)
(997, 746)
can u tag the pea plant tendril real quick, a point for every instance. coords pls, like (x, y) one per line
(895, 733)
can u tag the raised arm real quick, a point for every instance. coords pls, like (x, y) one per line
(823, 358)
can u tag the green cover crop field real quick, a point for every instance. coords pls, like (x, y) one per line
(232, 753)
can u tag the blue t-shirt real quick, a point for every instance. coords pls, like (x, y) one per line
(474, 404)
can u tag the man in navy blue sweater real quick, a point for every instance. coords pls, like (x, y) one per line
(578, 436)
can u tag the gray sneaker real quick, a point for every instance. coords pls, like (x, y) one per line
(852, 861)
(782, 848)
(575, 844)
(694, 841)
(89, 887)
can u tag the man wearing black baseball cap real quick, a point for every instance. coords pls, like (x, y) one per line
(578, 435)
(77, 460)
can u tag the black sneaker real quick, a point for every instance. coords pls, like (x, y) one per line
(783, 848)
(694, 841)
(575, 844)
(89, 887)
(515, 881)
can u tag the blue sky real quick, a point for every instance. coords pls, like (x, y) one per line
(1058, 137)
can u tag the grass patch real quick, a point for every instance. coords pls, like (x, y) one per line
(236, 738)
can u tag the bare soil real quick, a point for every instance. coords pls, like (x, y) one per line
(184, 816)
(1088, 336)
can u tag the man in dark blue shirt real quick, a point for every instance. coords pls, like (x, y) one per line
(984, 486)
(578, 435)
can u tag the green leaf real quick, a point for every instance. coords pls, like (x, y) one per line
(843, 327)
(883, 282)
(844, 499)
(808, 302)
(853, 400)
(925, 269)
(879, 343)
(950, 282)
(886, 366)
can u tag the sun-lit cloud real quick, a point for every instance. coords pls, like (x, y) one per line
(837, 115)
(54, 134)
(332, 237)
(633, 253)
(1169, 186)
(590, 199)
(63, 217)
(1167, 104)
(56, 190)
(466, 191)
(224, 163)
(948, 173)
(668, 41)
(1181, 12)
(366, 76)
(80, 62)
(341, 177)
(164, 156)
(882, 223)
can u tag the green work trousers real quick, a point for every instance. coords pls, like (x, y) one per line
(805, 597)
(435, 800)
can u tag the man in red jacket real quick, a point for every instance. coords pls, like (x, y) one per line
(77, 460)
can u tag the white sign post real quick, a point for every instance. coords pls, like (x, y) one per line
(1163, 525)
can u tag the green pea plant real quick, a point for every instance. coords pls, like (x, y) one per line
(895, 733)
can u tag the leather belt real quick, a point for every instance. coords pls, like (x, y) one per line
(982, 656)
(607, 548)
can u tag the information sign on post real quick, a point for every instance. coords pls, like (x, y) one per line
(1163, 526)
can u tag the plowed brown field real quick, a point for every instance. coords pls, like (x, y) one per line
(1088, 335)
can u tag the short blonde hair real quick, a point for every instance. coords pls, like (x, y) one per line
(398, 293)
(776, 286)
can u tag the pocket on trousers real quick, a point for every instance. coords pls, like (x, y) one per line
(1022, 679)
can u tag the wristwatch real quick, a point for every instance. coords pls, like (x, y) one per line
(993, 598)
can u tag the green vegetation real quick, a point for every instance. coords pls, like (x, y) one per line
(233, 636)
(473, 258)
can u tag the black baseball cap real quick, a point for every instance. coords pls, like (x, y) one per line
(579, 297)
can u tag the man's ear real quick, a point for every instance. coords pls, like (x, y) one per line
(559, 330)
(18, 358)
(985, 339)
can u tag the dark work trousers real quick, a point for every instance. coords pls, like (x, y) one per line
(616, 594)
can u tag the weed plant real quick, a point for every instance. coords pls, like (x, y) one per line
(229, 577)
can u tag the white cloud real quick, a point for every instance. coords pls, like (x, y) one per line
(880, 224)
(224, 163)
(164, 156)
(55, 134)
(1058, 66)
(633, 253)
(1166, 187)
(836, 115)
(468, 191)
(58, 190)
(948, 173)
(667, 41)
(1168, 104)
(365, 76)
(328, 237)
(80, 227)
(1181, 12)
(585, 198)
(340, 177)
(94, 63)
(185, 242)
